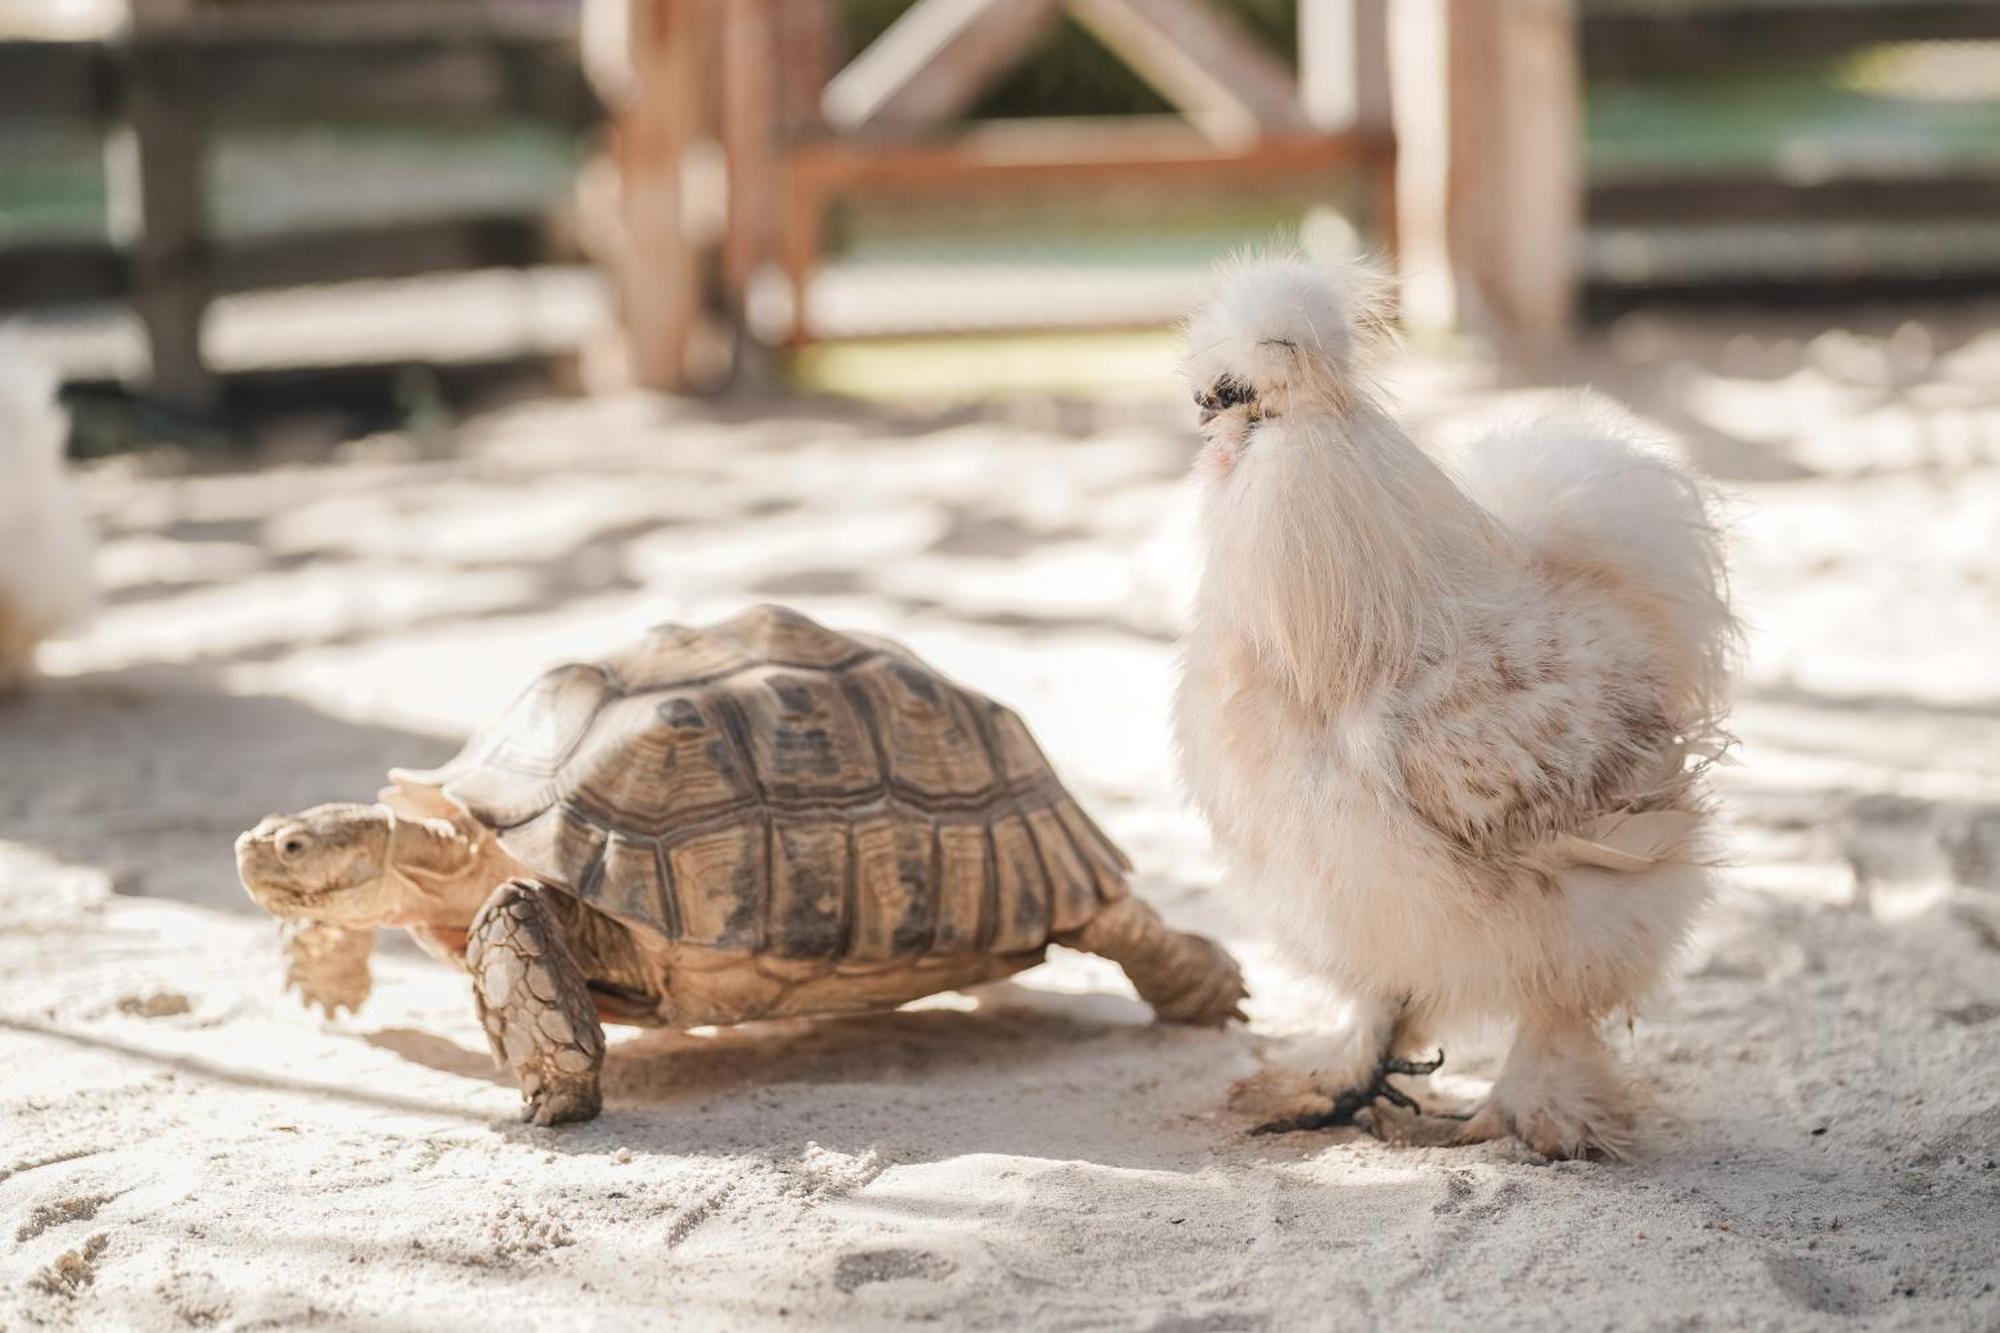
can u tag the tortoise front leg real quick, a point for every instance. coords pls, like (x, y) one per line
(537, 1009)
(328, 964)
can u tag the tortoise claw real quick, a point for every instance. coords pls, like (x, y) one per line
(562, 1103)
(1349, 1104)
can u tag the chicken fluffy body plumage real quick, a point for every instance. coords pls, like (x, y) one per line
(1447, 717)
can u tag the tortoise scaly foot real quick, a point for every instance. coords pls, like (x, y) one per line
(327, 964)
(535, 1005)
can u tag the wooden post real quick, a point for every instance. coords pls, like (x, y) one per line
(1344, 86)
(804, 203)
(809, 50)
(654, 61)
(808, 56)
(1541, 247)
(752, 90)
(155, 205)
(1490, 146)
(1344, 63)
(933, 62)
(1223, 79)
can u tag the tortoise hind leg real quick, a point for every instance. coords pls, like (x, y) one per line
(1186, 978)
(537, 1010)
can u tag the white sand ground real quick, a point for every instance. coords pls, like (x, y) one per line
(183, 1146)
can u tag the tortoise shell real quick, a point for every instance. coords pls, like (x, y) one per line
(768, 786)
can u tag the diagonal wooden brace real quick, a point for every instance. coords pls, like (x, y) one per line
(934, 62)
(1226, 81)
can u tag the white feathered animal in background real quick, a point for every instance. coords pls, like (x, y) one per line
(45, 546)
(1448, 726)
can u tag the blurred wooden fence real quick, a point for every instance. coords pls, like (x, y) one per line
(1721, 40)
(1627, 38)
(735, 124)
(154, 90)
(1490, 219)
(800, 128)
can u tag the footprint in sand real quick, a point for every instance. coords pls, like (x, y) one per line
(81, 1208)
(73, 1270)
(159, 1004)
(1812, 1286)
(863, 1267)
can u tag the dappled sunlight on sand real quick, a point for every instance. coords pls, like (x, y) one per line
(1034, 1154)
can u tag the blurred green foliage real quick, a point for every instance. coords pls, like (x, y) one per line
(1780, 115)
(51, 179)
(269, 176)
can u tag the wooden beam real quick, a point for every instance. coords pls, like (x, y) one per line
(386, 250)
(1419, 61)
(313, 20)
(65, 78)
(808, 56)
(256, 69)
(1488, 119)
(751, 128)
(44, 273)
(1624, 41)
(1733, 197)
(1605, 299)
(155, 196)
(658, 263)
(68, 272)
(1540, 242)
(1218, 74)
(1344, 85)
(1344, 63)
(448, 73)
(970, 161)
(934, 62)
(157, 15)
(1042, 155)
(373, 395)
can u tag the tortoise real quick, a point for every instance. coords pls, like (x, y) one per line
(760, 818)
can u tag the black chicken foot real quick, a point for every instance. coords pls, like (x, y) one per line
(1349, 1104)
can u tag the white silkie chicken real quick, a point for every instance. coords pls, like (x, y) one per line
(1448, 726)
(45, 546)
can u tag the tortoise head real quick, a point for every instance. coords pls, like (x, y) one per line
(328, 863)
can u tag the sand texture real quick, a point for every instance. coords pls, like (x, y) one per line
(183, 1146)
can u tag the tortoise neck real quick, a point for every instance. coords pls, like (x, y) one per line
(434, 872)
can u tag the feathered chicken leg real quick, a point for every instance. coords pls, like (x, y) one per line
(1560, 1092)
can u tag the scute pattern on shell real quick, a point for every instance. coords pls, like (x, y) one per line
(769, 786)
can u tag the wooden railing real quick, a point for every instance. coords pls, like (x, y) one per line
(798, 134)
(1651, 39)
(733, 129)
(1866, 199)
(153, 92)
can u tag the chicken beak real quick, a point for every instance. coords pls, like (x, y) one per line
(1209, 414)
